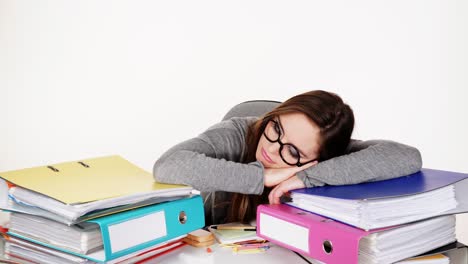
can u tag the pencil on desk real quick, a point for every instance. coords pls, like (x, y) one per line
(250, 242)
(264, 245)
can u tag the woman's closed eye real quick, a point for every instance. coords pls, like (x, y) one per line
(293, 152)
(277, 128)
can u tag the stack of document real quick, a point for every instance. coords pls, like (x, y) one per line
(397, 201)
(333, 242)
(83, 238)
(371, 214)
(374, 222)
(135, 233)
(23, 251)
(408, 240)
(100, 210)
(26, 201)
(72, 192)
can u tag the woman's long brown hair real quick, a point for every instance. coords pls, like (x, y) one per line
(327, 110)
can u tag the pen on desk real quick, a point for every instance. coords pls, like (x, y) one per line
(242, 228)
(264, 245)
(250, 242)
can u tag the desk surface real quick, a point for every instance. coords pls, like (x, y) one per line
(193, 255)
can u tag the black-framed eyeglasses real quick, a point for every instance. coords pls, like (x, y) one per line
(288, 152)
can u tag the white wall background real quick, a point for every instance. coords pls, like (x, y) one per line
(81, 79)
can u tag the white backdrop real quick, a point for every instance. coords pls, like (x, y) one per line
(81, 79)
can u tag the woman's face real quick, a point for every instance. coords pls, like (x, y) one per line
(300, 135)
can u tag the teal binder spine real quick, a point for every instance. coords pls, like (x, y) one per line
(130, 231)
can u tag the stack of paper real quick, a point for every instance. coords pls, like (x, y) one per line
(409, 240)
(371, 214)
(82, 238)
(101, 210)
(333, 242)
(22, 251)
(122, 234)
(25, 252)
(371, 205)
(70, 192)
(383, 221)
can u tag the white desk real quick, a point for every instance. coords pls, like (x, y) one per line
(193, 255)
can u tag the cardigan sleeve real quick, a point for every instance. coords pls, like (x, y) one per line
(365, 161)
(211, 161)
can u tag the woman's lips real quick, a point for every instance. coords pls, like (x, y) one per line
(266, 157)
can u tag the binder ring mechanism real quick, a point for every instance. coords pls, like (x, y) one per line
(327, 246)
(53, 168)
(182, 217)
(57, 170)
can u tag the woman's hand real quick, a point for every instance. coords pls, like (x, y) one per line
(284, 187)
(273, 177)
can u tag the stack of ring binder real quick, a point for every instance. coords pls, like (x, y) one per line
(382, 222)
(101, 210)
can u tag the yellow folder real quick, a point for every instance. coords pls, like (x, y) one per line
(87, 180)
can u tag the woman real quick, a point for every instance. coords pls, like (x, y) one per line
(304, 142)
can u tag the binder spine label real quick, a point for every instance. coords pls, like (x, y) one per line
(288, 233)
(137, 231)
